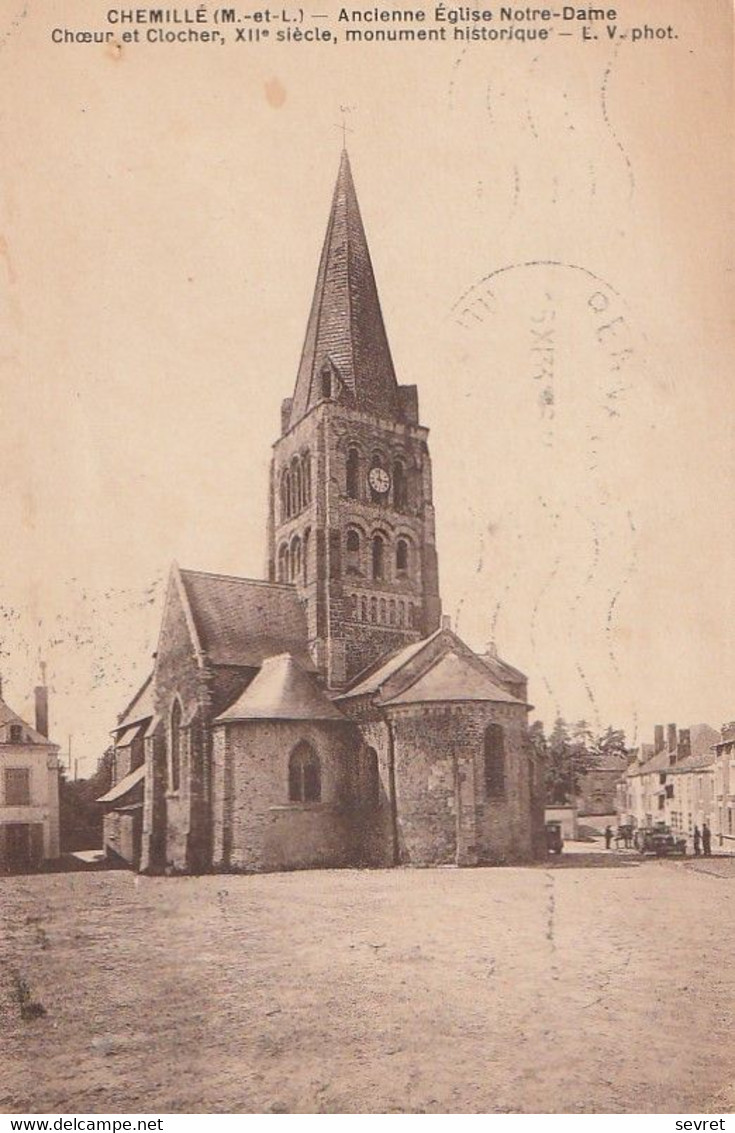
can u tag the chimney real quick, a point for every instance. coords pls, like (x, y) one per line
(446, 621)
(684, 749)
(41, 696)
(658, 739)
(671, 742)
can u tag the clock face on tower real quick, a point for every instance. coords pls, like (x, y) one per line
(379, 480)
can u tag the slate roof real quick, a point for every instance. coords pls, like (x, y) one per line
(702, 737)
(281, 691)
(611, 762)
(454, 677)
(502, 669)
(31, 736)
(345, 325)
(121, 789)
(140, 707)
(127, 735)
(658, 762)
(241, 621)
(697, 762)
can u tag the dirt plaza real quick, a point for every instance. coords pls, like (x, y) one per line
(598, 983)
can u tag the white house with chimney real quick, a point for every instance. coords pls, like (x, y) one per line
(672, 781)
(29, 788)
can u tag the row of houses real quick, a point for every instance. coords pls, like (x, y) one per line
(685, 779)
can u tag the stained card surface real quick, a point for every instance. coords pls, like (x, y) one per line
(367, 404)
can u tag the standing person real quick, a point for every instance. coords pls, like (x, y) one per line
(608, 836)
(697, 842)
(706, 840)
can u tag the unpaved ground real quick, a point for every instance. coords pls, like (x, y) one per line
(567, 988)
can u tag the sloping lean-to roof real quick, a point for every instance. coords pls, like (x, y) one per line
(120, 790)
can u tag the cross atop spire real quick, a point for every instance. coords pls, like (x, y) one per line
(345, 131)
(344, 127)
(346, 356)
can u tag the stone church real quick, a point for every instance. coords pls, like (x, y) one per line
(328, 716)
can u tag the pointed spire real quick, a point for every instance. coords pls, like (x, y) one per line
(346, 355)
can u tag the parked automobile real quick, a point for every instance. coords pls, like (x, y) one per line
(659, 840)
(554, 839)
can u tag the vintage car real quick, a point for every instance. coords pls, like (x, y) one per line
(660, 841)
(554, 839)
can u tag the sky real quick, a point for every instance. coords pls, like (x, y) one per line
(551, 236)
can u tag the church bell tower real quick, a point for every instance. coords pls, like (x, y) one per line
(351, 517)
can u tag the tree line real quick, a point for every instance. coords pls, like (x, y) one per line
(571, 751)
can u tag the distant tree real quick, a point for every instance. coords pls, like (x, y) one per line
(80, 815)
(559, 758)
(537, 740)
(582, 735)
(574, 750)
(611, 743)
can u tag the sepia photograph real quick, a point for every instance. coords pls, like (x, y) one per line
(367, 702)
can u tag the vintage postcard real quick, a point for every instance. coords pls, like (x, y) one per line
(369, 545)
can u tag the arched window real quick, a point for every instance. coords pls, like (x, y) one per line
(353, 474)
(353, 552)
(363, 609)
(392, 612)
(299, 477)
(326, 377)
(494, 762)
(283, 575)
(286, 495)
(378, 557)
(305, 553)
(304, 775)
(401, 556)
(400, 484)
(295, 486)
(383, 611)
(175, 746)
(306, 477)
(373, 610)
(401, 613)
(353, 606)
(295, 559)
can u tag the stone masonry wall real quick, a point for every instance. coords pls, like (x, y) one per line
(255, 825)
(443, 814)
(374, 828)
(179, 674)
(597, 792)
(345, 632)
